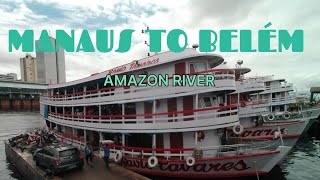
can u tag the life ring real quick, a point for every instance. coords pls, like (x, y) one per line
(286, 115)
(118, 156)
(190, 161)
(243, 104)
(271, 117)
(152, 161)
(235, 131)
(201, 136)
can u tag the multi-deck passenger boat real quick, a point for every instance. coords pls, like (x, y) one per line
(266, 106)
(162, 131)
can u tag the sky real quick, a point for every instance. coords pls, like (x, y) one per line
(302, 69)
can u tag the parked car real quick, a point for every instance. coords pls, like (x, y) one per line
(59, 158)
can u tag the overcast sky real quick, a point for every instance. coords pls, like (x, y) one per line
(302, 69)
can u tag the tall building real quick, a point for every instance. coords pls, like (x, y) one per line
(8, 77)
(28, 67)
(51, 65)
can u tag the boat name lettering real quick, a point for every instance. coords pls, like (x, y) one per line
(198, 167)
(133, 65)
(262, 132)
(117, 69)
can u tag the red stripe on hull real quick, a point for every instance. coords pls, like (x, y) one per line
(269, 137)
(187, 175)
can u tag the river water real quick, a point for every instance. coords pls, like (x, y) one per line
(302, 163)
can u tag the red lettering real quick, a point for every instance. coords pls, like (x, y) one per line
(227, 166)
(240, 166)
(163, 166)
(202, 167)
(199, 167)
(215, 167)
(173, 167)
(257, 133)
(246, 133)
(267, 131)
(184, 167)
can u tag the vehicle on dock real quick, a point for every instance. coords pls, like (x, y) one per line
(58, 158)
(175, 131)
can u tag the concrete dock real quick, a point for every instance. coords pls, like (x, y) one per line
(23, 161)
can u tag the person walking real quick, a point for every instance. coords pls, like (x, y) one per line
(88, 153)
(106, 156)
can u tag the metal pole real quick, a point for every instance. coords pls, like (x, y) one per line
(154, 111)
(123, 112)
(123, 140)
(197, 105)
(154, 140)
(85, 136)
(196, 138)
(100, 113)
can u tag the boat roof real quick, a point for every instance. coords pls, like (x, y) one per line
(242, 70)
(272, 78)
(150, 61)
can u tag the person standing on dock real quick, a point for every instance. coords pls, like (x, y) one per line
(106, 156)
(88, 153)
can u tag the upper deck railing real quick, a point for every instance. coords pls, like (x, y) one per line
(224, 79)
(186, 120)
(180, 154)
(249, 86)
(287, 87)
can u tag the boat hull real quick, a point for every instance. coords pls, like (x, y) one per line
(290, 131)
(230, 166)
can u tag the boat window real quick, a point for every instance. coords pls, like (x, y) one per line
(200, 105)
(201, 67)
(192, 69)
(198, 67)
(207, 102)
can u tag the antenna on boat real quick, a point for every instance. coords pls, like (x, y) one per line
(239, 63)
(195, 46)
(145, 42)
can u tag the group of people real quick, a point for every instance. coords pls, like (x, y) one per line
(89, 154)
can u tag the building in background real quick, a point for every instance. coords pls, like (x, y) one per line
(8, 77)
(28, 67)
(51, 65)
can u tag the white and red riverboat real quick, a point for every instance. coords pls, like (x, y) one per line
(266, 106)
(162, 131)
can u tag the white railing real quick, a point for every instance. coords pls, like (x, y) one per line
(252, 110)
(73, 140)
(182, 153)
(249, 85)
(119, 93)
(288, 87)
(209, 113)
(287, 99)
